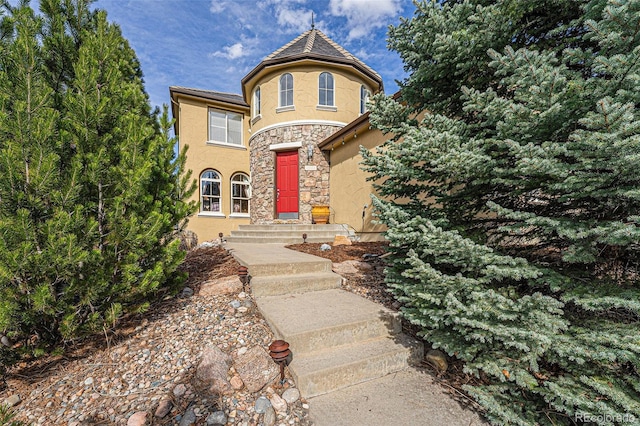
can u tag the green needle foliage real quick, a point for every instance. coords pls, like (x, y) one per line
(511, 189)
(90, 197)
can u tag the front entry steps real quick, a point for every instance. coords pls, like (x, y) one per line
(338, 339)
(287, 233)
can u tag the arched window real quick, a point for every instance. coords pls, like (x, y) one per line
(286, 90)
(364, 98)
(325, 89)
(256, 102)
(240, 194)
(210, 191)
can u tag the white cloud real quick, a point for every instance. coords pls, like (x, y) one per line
(231, 52)
(218, 6)
(294, 20)
(363, 16)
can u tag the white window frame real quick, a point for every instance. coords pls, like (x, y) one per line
(329, 89)
(257, 103)
(228, 115)
(364, 98)
(210, 203)
(285, 91)
(239, 198)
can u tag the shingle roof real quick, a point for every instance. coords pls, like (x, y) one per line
(313, 44)
(210, 94)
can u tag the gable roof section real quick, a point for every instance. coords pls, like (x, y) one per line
(211, 95)
(313, 44)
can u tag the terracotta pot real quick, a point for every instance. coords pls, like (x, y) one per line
(320, 214)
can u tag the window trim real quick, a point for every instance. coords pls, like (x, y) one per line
(210, 196)
(281, 91)
(246, 183)
(327, 90)
(212, 141)
(256, 108)
(365, 94)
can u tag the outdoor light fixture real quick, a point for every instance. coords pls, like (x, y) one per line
(309, 152)
(243, 275)
(220, 234)
(304, 238)
(281, 355)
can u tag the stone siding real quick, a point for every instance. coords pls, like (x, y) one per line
(313, 174)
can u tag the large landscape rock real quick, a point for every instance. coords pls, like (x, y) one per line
(256, 368)
(212, 370)
(226, 285)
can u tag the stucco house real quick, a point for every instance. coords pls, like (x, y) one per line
(287, 143)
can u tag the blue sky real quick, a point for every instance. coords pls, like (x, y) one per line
(212, 44)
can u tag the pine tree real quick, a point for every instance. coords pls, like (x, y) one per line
(517, 251)
(91, 197)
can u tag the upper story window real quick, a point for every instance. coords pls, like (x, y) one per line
(256, 102)
(325, 89)
(286, 90)
(240, 194)
(225, 127)
(210, 191)
(364, 98)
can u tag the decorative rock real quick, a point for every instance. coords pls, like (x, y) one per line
(188, 418)
(235, 304)
(256, 368)
(269, 417)
(262, 404)
(5, 341)
(438, 359)
(226, 285)
(212, 370)
(346, 267)
(341, 240)
(164, 408)
(279, 404)
(187, 292)
(236, 382)
(291, 395)
(88, 381)
(216, 419)
(179, 390)
(325, 247)
(138, 419)
(13, 400)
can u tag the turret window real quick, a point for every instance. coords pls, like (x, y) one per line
(325, 89)
(364, 98)
(286, 90)
(256, 103)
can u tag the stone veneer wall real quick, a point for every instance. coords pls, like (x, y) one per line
(313, 184)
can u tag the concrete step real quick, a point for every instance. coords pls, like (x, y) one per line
(317, 373)
(276, 285)
(278, 239)
(318, 320)
(296, 227)
(286, 234)
(291, 268)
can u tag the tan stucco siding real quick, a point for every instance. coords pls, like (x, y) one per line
(305, 97)
(201, 155)
(350, 190)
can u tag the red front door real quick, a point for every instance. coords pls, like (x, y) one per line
(287, 185)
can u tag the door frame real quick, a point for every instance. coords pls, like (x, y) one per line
(291, 215)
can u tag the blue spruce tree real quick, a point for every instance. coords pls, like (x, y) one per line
(511, 189)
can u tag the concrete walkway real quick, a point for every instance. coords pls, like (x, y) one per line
(405, 396)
